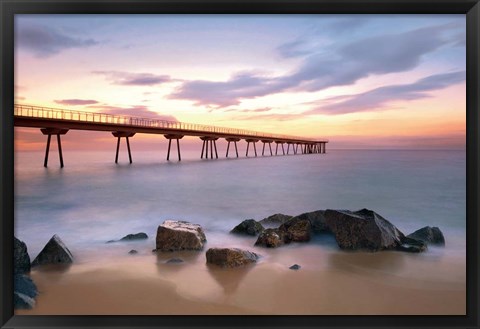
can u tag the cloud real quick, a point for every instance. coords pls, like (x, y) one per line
(134, 79)
(376, 99)
(75, 102)
(44, 42)
(140, 111)
(388, 53)
(272, 117)
(264, 109)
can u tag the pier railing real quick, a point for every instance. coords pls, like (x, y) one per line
(32, 111)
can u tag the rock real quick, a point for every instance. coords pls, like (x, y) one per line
(271, 238)
(24, 285)
(131, 237)
(180, 235)
(248, 227)
(21, 301)
(174, 261)
(363, 229)
(54, 252)
(317, 220)
(296, 230)
(133, 252)
(137, 236)
(412, 245)
(24, 293)
(429, 235)
(275, 220)
(230, 257)
(295, 267)
(21, 259)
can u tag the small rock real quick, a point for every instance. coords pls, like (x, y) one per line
(137, 236)
(21, 301)
(275, 220)
(154, 250)
(271, 238)
(180, 235)
(230, 257)
(24, 293)
(21, 259)
(133, 252)
(429, 235)
(248, 227)
(54, 252)
(295, 267)
(296, 229)
(24, 285)
(174, 261)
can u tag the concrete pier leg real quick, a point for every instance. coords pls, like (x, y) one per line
(129, 152)
(236, 150)
(248, 145)
(211, 149)
(288, 148)
(168, 152)
(118, 149)
(295, 148)
(228, 148)
(178, 149)
(255, 148)
(60, 155)
(276, 149)
(215, 144)
(263, 149)
(283, 149)
(270, 146)
(45, 162)
(203, 148)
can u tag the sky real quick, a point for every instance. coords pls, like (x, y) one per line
(362, 81)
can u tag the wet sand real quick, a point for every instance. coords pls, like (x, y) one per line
(330, 282)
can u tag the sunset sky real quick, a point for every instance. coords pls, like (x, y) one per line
(362, 81)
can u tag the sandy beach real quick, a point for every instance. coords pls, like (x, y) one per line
(336, 283)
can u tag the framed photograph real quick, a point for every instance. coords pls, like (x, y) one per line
(274, 164)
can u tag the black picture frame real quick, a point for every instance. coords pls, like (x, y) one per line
(9, 8)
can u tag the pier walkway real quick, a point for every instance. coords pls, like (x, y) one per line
(58, 122)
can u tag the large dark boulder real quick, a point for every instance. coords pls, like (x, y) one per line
(54, 252)
(275, 220)
(363, 229)
(24, 292)
(317, 220)
(230, 257)
(271, 238)
(21, 259)
(429, 235)
(179, 235)
(296, 230)
(248, 227)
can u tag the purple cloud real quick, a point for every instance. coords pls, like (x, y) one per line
(75, 102)
(377, 98)
(44, 42)
(134, 79)
(384, 54)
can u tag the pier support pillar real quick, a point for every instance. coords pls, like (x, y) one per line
(269, 142)
(49, 132)
(253, 141)
(276, 147)
(213, 144)
(120, 134)
(177, 137)
(234, 140)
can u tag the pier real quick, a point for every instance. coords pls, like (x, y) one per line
(57, 122)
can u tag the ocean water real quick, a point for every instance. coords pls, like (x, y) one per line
(93, 200)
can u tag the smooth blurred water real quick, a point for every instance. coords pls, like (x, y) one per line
(92, 200)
